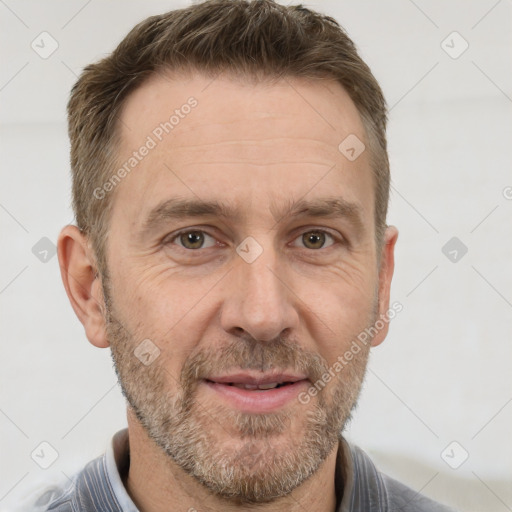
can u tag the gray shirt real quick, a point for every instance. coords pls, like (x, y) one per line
(360, 487)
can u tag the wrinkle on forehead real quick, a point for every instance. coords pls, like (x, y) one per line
(244, 141)
(295, 108)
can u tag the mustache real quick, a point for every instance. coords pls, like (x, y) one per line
(243, 353)
(247, 353)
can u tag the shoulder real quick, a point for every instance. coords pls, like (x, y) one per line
(371, 487)
(401, 497)
(89, 488)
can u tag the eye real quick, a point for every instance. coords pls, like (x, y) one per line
(316, 239)
(194, 240)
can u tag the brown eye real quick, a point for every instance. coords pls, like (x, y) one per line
(314, 239)
(192, 239)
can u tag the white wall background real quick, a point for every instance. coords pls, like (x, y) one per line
(445, 372)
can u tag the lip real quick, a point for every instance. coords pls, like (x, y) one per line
(257, 378)
(256, 401)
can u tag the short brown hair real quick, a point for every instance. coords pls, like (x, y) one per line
(257, 39)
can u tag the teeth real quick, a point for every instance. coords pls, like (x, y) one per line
(245, 386)
(270, 385)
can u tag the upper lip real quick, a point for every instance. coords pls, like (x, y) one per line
(254, 378)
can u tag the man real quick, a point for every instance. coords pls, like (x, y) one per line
(230, 186)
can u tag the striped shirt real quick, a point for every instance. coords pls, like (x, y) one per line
(360, 487)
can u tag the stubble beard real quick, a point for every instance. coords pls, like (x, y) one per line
(261, 463)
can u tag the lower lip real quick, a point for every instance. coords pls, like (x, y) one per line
(257, 401)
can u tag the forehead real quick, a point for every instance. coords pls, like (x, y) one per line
(225, 102)
(225, 139)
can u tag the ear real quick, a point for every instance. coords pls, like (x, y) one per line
(82, 283)
(387, 266)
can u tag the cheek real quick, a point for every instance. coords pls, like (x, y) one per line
(152, 295)
(170, 309)
(337, 311)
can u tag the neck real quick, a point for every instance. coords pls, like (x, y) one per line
(156, 484)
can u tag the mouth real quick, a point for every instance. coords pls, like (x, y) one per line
(255, 387)
(256, 393)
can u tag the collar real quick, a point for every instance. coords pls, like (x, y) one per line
(117, 461)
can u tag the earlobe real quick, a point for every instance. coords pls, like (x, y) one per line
(82, 284)
(387, 266)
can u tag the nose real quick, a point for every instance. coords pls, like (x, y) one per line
(259, 301)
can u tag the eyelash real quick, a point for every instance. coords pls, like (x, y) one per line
(335, 239)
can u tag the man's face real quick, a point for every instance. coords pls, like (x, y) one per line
(243, 247)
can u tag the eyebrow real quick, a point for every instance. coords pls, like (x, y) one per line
(325, 207)
(179, 208)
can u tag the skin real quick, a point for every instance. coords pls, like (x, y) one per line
(258, 148)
